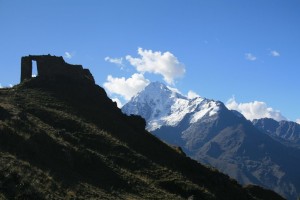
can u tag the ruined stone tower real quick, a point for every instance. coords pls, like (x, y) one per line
(53, 67)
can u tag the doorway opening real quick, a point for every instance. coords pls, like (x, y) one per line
(34, 69)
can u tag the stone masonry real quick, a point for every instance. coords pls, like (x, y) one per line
(52, 67)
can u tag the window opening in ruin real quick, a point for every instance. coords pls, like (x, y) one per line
(34, 69)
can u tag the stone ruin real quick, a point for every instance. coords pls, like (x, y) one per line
(51, 67)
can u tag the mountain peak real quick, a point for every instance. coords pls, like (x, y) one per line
(155, 89)
(161, 105)
(156, 84)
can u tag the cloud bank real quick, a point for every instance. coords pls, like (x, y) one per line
(165, 64)
(254, 110)
(126, 87)
(298, 121)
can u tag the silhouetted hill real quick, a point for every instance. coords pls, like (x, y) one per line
(62, 138)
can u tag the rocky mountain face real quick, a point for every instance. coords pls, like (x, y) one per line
(286, 132)
(210, 133)
(63, 138)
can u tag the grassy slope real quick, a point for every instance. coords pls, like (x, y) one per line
(61, 139)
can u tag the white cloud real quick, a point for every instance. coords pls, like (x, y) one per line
(174, 89)
(68, 55)
(250, 57)
(117, 61)
(274, 53)
(254, 110)
(165, 64)
(191, 94)
(126, 87)
(9, 86)
(298, 121)
(119, 103)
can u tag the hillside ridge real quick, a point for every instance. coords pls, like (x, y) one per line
(63, 138)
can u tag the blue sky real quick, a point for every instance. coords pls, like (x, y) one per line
(249, 49)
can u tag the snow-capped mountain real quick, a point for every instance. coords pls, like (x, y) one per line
(210, 133)
(161, 105)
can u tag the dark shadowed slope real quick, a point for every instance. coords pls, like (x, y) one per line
(62, 138)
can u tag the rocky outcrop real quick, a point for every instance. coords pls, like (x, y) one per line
(51, 67)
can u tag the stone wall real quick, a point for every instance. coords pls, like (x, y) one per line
(53, 67)
(26, 68)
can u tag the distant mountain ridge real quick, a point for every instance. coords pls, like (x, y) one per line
(208, 132)
(287, 132)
